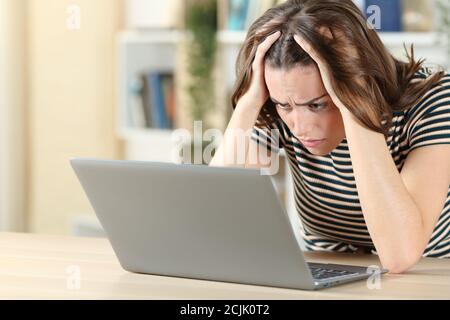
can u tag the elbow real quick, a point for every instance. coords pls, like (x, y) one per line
(401, 263)
(397, 268)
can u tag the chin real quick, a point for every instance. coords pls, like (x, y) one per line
(319, 154)
(325, 149)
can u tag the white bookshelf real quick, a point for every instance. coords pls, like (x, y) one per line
(142, 51)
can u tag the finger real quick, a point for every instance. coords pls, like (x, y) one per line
(308, 49)
(265, 46)
(305, 45)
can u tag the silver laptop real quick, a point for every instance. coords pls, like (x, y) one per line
(192, 221)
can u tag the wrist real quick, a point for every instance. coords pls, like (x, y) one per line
(249, 106)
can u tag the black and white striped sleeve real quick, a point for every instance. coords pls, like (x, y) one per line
(429, 123)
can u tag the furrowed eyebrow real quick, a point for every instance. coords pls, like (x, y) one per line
(299, 104)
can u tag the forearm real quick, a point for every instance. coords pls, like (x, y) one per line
(234, 147)
(392, 217)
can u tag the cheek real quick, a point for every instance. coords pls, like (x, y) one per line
(333, 124)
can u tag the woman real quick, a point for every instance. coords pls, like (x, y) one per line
(367, 136)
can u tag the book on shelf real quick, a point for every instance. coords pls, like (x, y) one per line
(238, 15)
(386, 14)
(238, 10)
(137, 116)
(146, 102)
(152, 101)
(169, 94)
(157, 101)
(400, 15)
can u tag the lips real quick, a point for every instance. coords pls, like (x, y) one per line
(312, 143)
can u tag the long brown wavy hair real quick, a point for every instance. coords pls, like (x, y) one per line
(368, 80)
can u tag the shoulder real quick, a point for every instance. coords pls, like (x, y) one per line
(439, 90)
(438, 97)
(428, 121)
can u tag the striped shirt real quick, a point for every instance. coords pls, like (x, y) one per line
(325, 191)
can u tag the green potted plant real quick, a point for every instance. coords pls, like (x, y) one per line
(201, 26)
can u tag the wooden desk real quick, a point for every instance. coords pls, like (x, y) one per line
(36, 266)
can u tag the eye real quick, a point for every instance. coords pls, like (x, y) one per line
(317, 106)
(283, 107)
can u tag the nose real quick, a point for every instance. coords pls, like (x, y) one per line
(302, 123)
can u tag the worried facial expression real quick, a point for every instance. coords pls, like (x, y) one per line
(305, 107)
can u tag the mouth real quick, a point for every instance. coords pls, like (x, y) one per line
(312, 143)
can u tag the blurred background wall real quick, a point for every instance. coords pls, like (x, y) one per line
(58, 96)
(71, 102)
(13, 114)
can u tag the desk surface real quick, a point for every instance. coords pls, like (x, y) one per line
(34, 266)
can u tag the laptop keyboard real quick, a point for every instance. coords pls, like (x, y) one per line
(322, 273)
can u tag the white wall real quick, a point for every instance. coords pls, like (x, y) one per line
(72, 104)
(12, 115)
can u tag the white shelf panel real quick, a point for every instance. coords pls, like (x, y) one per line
(151, 36)
(231, 37)
(141, 133)
(420, 39)
(389, 38)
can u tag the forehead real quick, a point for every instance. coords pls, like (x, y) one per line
(299, 83)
